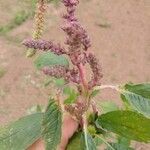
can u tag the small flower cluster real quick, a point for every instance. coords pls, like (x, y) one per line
(57, 71)
(39, 18)
(96, 69)
(70, 75)
(77, 109)
(45, 46)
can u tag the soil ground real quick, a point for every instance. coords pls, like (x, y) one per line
(120, 33)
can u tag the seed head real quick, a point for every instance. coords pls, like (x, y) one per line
(44, 45)
(96, 70)
(77, 37)
(55, 71)
(39, 19)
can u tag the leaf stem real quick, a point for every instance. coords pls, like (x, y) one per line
(85, 131)
(114, 87)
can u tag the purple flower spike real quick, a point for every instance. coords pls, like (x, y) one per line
(96, 69)
(70, 3)
(55, 71)
(78, 38)
(45, 46)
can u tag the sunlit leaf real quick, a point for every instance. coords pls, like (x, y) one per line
(108, 106)
(139, 89)
(77, 142)
(127, 124)
(137, 97)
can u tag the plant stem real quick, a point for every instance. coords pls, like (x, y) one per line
(95, 110)
(85, 131)
(82, 76)
(115, 87)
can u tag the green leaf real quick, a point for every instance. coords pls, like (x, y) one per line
(127, 124)
(89, 143)
(22, 133)
(52, 121)
(59, 82)
(72, 95)
(108, 106)
(122, 144)
(104, 141)
(97, 140)
(117, 146)
(50, 59)
(139, 89)
(137, 97)
(75, 143)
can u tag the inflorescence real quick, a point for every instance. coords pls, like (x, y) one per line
(78, 44)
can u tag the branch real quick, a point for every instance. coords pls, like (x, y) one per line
(114, 87)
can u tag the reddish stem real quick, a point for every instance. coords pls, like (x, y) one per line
(82, 76)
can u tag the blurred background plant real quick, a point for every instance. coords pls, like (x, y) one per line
(20, 15)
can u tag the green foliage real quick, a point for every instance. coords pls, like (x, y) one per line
(91, 130)
(72, 95)
(108, 106)
(121, 144)
(139, 89)
(137, 97)
(50, 59)
(97, 140)
(77, 142)
(127, 124)
(52, 121)
(88, 142)
(103, 140)
(22, 133)
(19, 18)
(91, 118)
(59, 82)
